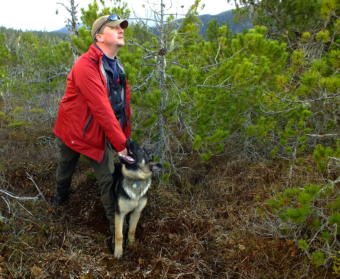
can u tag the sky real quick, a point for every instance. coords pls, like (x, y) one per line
(40, 15)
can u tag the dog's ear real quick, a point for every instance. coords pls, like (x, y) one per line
(156, 166)
(130, 146)
(129, 143)
(148, 151)
(148, 154)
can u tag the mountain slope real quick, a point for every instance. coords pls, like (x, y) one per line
(226, 17)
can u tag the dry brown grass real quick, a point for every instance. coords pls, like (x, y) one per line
(201, 225)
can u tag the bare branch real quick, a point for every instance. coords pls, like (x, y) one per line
(222, 61)
(335, 159)
(178, 64)
(308, 101)
(18, 197)
(323, 136)
(140, 18)
(218, 52)
(36, 186)
(276, 112)
(48, 79)
(73, 20)
(145, 82)
(214, 86)
(133, 43)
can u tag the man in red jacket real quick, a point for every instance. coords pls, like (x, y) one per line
(94, 113)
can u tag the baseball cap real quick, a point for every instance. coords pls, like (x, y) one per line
(108, 20)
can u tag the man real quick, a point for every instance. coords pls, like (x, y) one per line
(94, 113)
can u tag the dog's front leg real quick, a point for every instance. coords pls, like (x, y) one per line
(134, 218)
(119, 220)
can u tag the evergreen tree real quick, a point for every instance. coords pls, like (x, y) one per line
(289, 19)
(4, 56)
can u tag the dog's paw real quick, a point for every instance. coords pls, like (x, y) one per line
(118, 253)
(131, 240)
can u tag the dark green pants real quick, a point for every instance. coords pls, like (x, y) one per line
(68, 159)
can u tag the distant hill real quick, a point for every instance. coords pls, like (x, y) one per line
(64, 29)
(58, 36)
(61, 30)
(226, 17)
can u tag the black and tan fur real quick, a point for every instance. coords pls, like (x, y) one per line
(131, 184)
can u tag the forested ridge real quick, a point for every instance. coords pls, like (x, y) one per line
(246, 125)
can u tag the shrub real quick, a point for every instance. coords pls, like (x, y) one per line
(310, 216)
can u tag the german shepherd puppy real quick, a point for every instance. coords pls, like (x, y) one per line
(131, 183)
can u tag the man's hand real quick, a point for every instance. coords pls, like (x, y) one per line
(123, 155)
(124, 152)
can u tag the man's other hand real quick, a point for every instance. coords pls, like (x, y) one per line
(124, 152)
(123, 155)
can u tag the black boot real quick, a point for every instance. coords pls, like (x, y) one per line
(61, 198)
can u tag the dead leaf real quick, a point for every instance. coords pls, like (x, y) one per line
(36, 272)
(241, 247)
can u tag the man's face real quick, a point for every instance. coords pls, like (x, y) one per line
(112, 36)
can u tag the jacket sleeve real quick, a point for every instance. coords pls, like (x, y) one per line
(88, 80)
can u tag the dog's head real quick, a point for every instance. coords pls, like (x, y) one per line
(143, 165)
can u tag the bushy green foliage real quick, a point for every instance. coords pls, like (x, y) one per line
(228, 99)
(252, 88)
(4, 56)
(290, 18)
(322, 153)
(336, 265)
(310, 216)
(37, 64)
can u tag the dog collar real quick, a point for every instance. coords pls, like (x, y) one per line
(137, 184)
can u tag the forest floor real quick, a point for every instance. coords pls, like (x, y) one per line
(201, 224)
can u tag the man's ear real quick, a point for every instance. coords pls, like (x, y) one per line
(99, 38)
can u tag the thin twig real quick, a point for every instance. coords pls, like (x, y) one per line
(25, 209)
(335, 159)
(48, 79)
(35, 184)
(214, 86)
(7, 203)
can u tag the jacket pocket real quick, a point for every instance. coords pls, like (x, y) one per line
(87, 124)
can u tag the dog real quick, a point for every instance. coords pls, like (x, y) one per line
(132, 181)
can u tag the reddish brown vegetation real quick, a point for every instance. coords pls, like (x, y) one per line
(201, 225)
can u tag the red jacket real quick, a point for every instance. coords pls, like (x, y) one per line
(85, 117)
